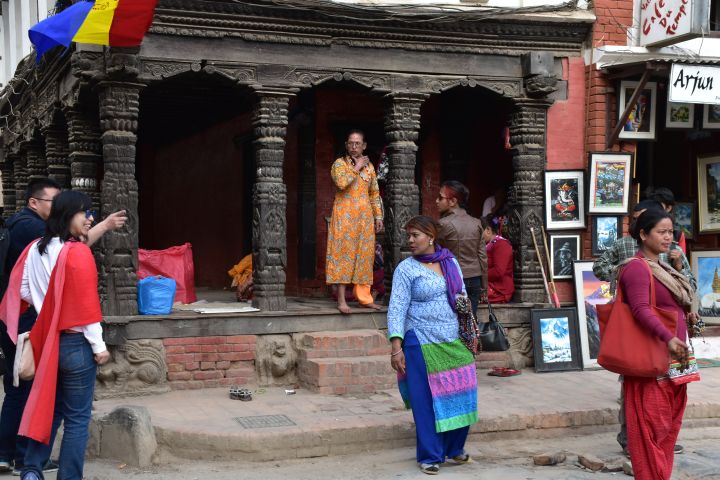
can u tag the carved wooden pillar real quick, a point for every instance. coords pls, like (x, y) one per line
(119, 109)
(85, 152)
(269, 235)
(56, 153)
(35, 156)
(8, 184)
(528, 139)
(21, 179)
(402, 196)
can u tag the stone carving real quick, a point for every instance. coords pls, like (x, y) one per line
(119, 108)
(270, 199)
(402, 127)
(21, 180)
(521, 347)
(527, 136)
(276, 360)
(311, 77)
(35, 157)
(165, 69)
(239, 73)
(8, 184)
(506, 87)
(136, 368)
(538, 86)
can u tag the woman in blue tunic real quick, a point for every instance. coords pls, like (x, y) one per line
(436, 372)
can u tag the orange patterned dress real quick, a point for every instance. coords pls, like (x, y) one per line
(351, 233)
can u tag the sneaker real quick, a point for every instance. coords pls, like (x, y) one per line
(679, 449)
(5, 465)
(51, 466)
(17, 470)
(430, 468)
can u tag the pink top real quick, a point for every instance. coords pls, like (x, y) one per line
(635, 282)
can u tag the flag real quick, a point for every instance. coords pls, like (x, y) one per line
(114, 23)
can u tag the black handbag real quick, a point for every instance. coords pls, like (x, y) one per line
(492, 334)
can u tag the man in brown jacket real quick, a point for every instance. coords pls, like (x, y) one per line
(462, 235)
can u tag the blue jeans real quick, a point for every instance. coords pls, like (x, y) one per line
(473, 285)
(13, 447)
(73, 406)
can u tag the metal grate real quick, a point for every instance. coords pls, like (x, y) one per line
(265, 421)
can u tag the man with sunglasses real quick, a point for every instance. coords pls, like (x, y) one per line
(25, 226)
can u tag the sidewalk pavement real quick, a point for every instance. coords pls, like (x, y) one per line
(206, 424)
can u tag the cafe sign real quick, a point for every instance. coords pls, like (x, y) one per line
(694, 84)
(666, 22)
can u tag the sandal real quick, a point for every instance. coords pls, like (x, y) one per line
(462, 459)
(430, 468)
(503, 372)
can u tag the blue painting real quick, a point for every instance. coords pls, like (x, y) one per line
(683, 213)
(555, 337)
(708, 276)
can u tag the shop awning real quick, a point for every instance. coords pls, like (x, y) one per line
(701, 51)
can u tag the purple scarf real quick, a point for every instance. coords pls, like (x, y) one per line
(449, 269)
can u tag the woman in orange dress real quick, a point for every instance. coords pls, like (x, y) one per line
(356, 217)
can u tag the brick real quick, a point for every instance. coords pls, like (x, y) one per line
(211, 383)
(193, 348)
(235, 356)
(209, 357)
(192, 365)
(222, 365)
(207, 365)
(176, 367)
(206, 375)
(173, 376)
(170, 349)
(249, 339)
(180, 358)
(179, 341)
(208, 348)
(211, 340)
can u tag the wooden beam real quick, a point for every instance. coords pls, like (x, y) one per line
(628, 107)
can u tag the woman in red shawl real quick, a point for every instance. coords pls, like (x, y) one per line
(501, 284)
(654, 406)
(57, 275)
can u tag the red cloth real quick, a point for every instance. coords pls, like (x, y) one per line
(12, 306)
(501, 284)
(635, 282)
(653, 413)
(72, 300)
(682, 243)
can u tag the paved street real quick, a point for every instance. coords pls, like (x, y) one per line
(497, 460)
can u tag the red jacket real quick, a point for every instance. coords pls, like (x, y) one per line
(501, 284)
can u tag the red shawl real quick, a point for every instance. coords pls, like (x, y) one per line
(72, 300)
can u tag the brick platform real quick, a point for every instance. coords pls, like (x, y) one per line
(345, 362)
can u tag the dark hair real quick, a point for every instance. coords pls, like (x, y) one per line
(662, 195)
(491, 221)
(36, 186)
(647, 221)
(458, 191)
(647, 204)
(423, 223)
(355, 131)
(64, 207)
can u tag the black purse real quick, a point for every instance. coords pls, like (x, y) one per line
(492, 334)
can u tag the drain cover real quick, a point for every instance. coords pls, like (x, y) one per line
(265, 421)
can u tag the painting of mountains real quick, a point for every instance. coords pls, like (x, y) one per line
(555, 339)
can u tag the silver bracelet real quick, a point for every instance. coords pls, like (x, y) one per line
(396, 353)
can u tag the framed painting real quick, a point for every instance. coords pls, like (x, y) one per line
(589, 292)
(610, 182)
(640, 124)
(679, 115)
(709, 194)
(565, 199)
(605, 230)
(684, 213)
(555, 339)
(706, 268)
(711, 117)
(565, 250)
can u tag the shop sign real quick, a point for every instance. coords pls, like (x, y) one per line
(666, 22)
(694, 84)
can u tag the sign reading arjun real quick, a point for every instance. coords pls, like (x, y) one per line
(666, 22)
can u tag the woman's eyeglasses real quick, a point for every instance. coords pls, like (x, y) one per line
(91, 214)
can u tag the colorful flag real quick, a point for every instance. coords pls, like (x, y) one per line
(115, 23)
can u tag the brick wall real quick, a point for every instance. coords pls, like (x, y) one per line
(208, 362)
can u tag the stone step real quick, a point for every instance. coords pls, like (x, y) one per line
(339, 376)
(352, 343)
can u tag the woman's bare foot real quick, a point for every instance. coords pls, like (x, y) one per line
(373, 306)
(344, 309)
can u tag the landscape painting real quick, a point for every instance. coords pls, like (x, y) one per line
(706, 268)
(590, 292)
(709, 194)
(609, 182)
(555, 339)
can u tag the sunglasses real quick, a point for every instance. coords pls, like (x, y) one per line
(91, 214)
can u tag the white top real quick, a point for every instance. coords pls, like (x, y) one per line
(35, 282)
(488, 205)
